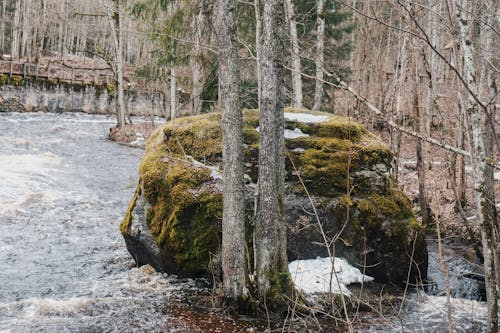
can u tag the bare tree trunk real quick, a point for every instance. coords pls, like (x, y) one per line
(173, 93)
(270, 238)
(61, 39)
(419, 121)
(233, 219)
(482, 148)
(198, 24)
(401, 76)
(3, 18)
(116, 20)
(295, 56)
(258, 29)
(320, 46)
(14, 46)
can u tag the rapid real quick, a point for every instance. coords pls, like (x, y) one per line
(63, 264)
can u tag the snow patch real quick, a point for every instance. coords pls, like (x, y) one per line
(289, 134)
(296, 133)
(305, 117)
(316, 275)
(496, 175)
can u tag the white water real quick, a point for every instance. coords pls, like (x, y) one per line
(63, 263)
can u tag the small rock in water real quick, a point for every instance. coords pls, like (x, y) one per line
(147, 269)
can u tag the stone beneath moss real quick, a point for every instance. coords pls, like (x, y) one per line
(174, 219)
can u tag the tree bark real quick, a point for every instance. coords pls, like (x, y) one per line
(270, 237)
(295, 57)
(116, 19)
(173, 93)
(319, 58)
(482, 148)
(198, 23)
(258, 30)
(233, 218)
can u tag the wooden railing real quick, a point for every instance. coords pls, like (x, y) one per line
(58, 73)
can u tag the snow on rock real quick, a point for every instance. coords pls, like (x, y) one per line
(296, 133)
(214, 170)
(305, 117)
(289, 134)
(496, 175)
(316, 275)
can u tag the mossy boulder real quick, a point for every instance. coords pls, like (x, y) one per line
(174, 219)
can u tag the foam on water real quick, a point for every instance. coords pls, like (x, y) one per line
(63, 263)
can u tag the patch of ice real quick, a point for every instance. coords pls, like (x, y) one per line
(305, 117)
(296, 133)
(316, 275)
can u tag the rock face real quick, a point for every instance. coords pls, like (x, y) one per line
(51, 96)
(174, 219)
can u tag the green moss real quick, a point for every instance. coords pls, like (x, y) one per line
(281, 285)
(184, 212)
(16, 80)
(4, 79)
(127, 220)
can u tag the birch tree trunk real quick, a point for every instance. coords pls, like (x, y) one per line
(295, 56)
(173, 93)
(482, 148)
(233, 218)
(319, 58)
(270, 237)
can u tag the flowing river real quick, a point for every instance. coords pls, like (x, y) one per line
(63, 264)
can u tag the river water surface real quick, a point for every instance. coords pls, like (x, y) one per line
(63, 264)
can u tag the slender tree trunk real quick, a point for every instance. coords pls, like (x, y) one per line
(420, 128)
(198, 24)
(270, 238)
(173, 93)
(233, 219)
(319, 58)
(14, 48)
(258, 29)
(482, 148)
(401, 77)
(118, 40)
(295, 56)
(61, 39)
(3, 18)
